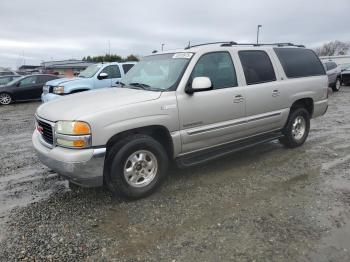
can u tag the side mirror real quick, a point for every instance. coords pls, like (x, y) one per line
(102, 76)
(200, 84)
(18, 83)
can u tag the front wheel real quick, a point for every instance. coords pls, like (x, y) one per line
(136, 166)
(5, 99)
(297, 128)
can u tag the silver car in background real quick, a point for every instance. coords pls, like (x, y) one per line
(334, 75)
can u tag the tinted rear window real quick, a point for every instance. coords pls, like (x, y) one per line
(127, 67)
(257, 67)
(298, 62)
(330, 65)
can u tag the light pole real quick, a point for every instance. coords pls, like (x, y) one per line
(163, 47)
(257, 34)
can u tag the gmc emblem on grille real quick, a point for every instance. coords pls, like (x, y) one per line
(40, 129)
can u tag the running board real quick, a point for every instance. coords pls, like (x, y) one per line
(203, 156)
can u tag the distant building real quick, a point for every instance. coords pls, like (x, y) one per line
(64, 67)
(6, 71)
(28, 69)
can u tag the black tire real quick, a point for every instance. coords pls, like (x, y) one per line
(337, 85)
(5, 99)
(117, 158)
(73, 187)
(289, 140)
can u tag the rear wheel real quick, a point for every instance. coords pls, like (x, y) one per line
(73, 187)
(297, 128)
(5, 99)
(136, 166)
(337, 85)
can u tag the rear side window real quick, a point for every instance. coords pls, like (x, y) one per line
(298, 62)
(330, 65)
(45, 78)
(127, 67)
(257, 67)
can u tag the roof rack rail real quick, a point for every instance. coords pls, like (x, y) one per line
(212, 43)
(232, 43)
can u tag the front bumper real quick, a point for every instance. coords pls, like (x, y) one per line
(49, 97)
(83, 167)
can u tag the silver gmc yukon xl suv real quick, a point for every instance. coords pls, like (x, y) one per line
(190, 105)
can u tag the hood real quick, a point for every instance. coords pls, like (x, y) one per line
(76, 106)
(68, 81)
(346, 72)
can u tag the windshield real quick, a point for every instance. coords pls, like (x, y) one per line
(157, 72)
(6, 79)
(15, 80)
(90, 71)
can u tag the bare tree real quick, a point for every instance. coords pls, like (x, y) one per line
(333, 48)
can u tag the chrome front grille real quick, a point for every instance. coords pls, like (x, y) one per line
(46, 131)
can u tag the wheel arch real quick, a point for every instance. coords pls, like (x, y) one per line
(307, 103)
(157, 132)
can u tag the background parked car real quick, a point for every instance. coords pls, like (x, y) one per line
(6, 72)
(24, 88)
(93, 77)
(344, 66)
(333, 73)
(345, 76)
(4, 80)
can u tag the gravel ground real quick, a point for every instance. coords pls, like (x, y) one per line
(264, 204)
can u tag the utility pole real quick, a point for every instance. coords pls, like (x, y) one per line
(257, 34)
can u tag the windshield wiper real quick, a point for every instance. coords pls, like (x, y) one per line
(143, 86)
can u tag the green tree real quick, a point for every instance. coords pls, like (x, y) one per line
(110, 58)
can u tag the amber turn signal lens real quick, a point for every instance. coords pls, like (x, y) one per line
(81, 128)
(79, 143)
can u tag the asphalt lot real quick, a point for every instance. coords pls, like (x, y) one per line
(264, 204)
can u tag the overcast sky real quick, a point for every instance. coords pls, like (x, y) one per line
(42, 30)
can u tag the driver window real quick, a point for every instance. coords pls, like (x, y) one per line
(31, 80)
(112, 71)
(218, 67)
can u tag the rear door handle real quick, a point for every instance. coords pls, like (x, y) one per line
(275, 93)
(238, 99)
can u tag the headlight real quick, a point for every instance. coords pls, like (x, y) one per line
(58, 89)
(72, 128)
(73, 134)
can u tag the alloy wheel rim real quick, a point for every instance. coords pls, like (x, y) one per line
(298, 128)
(140, 168)
(5, 99)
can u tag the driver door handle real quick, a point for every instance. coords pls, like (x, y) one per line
(238, 99)
(275, 93)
